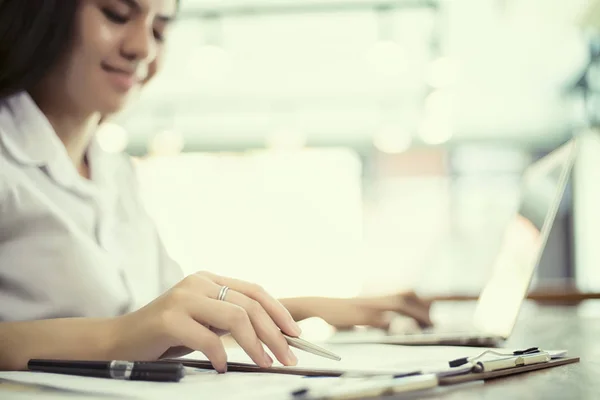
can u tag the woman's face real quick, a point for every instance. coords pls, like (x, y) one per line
(116, 48)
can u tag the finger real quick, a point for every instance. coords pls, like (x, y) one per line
(419, 314)
(200, 293)
(264, 327)
(278, 313)
(413, 298)
(403, 325)
(232, 318)
(423, 307)
(381, 320)
(197, 337)
(411, 308)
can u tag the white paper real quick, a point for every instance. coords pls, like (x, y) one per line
(378, 358)
(202, 384)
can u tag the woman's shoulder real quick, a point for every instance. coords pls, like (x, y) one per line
(7, 172)
(4, 166)
(9, 181)
(20, 123)
(3, 180)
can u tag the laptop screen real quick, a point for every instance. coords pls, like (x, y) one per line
(523, 242)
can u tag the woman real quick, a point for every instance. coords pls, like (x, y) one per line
(72, 229)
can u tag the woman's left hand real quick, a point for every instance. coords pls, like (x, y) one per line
(375, 312)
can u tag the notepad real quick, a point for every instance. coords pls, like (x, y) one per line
(357, 360)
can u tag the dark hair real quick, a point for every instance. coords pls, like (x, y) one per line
(33, 35)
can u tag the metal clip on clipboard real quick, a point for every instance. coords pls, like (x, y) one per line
(511, 362)
(508, 360)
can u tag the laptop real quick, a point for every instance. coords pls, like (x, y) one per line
(542, 189)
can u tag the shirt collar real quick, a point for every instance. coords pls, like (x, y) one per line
(30, 139)
(27, 133)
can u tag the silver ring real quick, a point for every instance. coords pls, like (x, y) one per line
(223, 293)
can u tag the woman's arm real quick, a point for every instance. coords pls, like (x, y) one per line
(370, 311)
(187, 317)
(304, 307)
(85, 338)
(71, 338)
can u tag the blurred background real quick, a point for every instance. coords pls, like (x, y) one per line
(344, 147)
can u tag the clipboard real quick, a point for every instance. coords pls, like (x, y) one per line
(315, 372)
(485, 376)
(375, 388)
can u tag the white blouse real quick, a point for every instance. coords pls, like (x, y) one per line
(71, 247)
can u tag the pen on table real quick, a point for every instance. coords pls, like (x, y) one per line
(116, 369)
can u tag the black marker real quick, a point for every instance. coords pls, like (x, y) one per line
(124, 370)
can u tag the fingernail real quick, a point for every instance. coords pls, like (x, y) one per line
(268, 359)
(292, 359)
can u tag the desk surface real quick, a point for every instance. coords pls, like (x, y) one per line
(576, 328)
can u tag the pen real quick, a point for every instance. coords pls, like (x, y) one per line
(124, 370)
(305, 345)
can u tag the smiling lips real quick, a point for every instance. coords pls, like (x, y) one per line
(122, 78)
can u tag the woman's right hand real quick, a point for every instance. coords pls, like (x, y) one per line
(189, 316)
